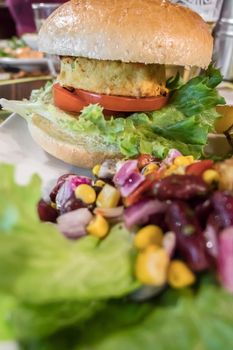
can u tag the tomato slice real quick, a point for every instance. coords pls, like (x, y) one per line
(198, 168)
(67, 100)
(78, 99)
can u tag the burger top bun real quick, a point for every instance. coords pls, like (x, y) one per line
(145, 31)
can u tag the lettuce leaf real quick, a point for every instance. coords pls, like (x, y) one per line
(39, 101)
(178, 320)
(39, 265)
(7, 303)
(83, 270)
(32, 321)
(17, 203)
(187, 130)
(199, 94)
(182, 320)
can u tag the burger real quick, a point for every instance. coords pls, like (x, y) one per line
(119, 92)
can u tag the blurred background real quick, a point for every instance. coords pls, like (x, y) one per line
(22, 67)
(219, 15)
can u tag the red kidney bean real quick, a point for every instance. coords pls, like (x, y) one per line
(189, 237)
(46, 212)
(202, 211)
(222, 203)
(180, 187)
(72, 204)
(158, 220)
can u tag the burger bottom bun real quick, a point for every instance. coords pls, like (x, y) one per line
(59, 145)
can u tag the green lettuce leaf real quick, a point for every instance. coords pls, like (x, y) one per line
(39, 101)
(181, 321)
(174, 83)
(19, 226)
(83, 270)
(199, 94)
(39, 265)
(178, 320)
(7, 303)
(17, 203)
(207, 119)
(188, 131)
(33, 321)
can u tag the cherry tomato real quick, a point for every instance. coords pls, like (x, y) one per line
(75, 101)
(198, 168)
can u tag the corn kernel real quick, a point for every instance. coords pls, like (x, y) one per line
(184, 160)
(171, 170)
(96, 170)
(100, 183)
(108, 197)
(150, 234)
(210, 176)
(86, 193)
(53, 205)
(151, 266)
(98, 227)
(150, 168)
(179, 275)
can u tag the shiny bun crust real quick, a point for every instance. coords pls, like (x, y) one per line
(145, 31)
(60, 146)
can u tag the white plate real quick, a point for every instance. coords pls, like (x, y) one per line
(9, 345)
(17, 147)
(25, 64)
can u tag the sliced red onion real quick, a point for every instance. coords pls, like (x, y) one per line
(56, 188)
(63, 194)
(73, 224)
(225, 258)
(210, 235)
(140, 212)
(124, 172)
(111, 213)
(169, 242)
(172, 154)
(133, 181)
(68, 187)
(119, 165)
